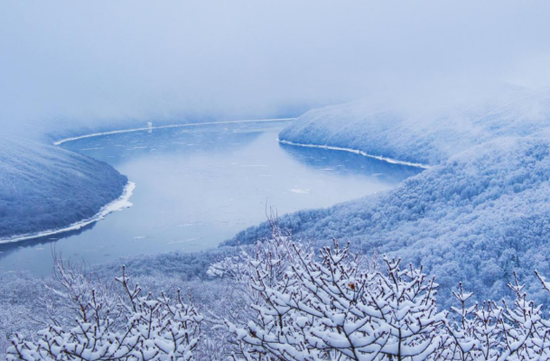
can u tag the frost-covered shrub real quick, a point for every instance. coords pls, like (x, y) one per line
(29, 304)
(489, 331)
(276, 300)
(336, 307)
(137, 328)
(333, 307)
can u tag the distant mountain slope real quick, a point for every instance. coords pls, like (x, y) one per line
(482, 213)
(422, 133)
(44, 187)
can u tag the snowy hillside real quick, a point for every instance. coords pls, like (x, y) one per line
(43, 187)
(422, 133)
(479, 215)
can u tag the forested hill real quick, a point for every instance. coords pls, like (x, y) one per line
(43, 187)
(423, 133)
(479, 214)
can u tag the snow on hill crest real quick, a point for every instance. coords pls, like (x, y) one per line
(422, 133)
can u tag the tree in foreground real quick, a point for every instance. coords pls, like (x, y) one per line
(154, 329)
(283, 302)
(338, 307)
(332, 307)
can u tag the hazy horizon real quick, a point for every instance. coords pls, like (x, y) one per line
(104, 60)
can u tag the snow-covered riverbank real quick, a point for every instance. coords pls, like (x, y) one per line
(117, 205)
(46, 190)
(354, 151)
(183, 125)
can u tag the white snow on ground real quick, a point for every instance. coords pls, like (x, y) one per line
(355, 151)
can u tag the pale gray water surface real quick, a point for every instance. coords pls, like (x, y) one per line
(198, 186)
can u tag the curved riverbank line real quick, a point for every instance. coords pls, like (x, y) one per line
(118, 204)
(59, 142)
(356, 151)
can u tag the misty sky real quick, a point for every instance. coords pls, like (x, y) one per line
(106, 59)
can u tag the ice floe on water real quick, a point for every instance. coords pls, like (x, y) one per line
(300, 191)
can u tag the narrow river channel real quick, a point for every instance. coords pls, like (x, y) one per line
(198, 186)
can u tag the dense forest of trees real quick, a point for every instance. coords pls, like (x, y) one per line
(476, 218)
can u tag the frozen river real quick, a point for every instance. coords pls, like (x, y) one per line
(198, 186)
